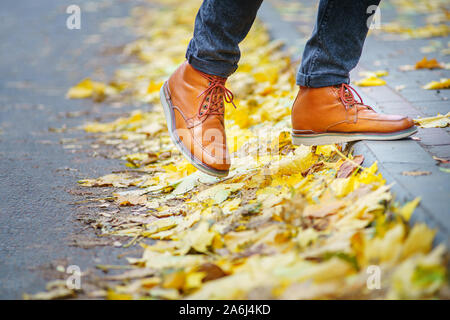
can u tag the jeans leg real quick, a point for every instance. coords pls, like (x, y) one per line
(336, 42)
(220, 26)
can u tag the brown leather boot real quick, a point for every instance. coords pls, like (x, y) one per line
(193, 104)
(332, 115)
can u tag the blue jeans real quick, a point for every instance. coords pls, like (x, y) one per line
(332, 51)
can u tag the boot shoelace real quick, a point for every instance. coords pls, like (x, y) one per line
(349, 100)
(214, 95)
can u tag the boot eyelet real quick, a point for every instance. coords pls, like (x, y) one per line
(204, 107)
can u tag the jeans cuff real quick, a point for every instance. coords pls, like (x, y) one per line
(320, 80)
(216, 68)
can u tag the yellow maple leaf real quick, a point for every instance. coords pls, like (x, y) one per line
(154, 86)
(372, 81)
(407, 210)
(419, 240)
(87, 88)
(199, 238)
(113, 295)
(194, 280)
(444, 83)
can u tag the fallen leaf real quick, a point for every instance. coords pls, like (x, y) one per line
(416, 173)
(446, 170)
(349, 166)
(131, 198)
(211, 271)
(219, 193)
(85, 89)
(407, 210)
(441, 160)
(437, 85)
(376, 74)
(320, 211)
(428, 64)
(199, 238)
(439, 121)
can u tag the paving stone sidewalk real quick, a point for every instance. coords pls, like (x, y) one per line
(292, 22)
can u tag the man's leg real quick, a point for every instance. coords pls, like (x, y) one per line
(220, 26)
(336, 42)
(193, 97)
(327, 110)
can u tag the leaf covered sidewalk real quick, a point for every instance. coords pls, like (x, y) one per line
(287, 223)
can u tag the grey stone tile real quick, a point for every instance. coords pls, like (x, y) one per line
(403, 193)
(415, 79)
(434, 189)
(400, 151)
(422, 95)
(432, 108)
(433, 136)
(381, 94)
(403, 108)
(440, 151)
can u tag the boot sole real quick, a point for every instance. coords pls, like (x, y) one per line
(332, 138)
(170, 119)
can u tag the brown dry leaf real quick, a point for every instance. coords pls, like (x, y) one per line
(120, 180)
(315, 167)
(348, 167)
(320, 211)
(212, 271)
(56, 289)
(441, 160)
(131, 199)
(428, 64)
(58, 293)
(416, 173)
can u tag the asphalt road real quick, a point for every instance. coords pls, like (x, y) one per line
(40, 58)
